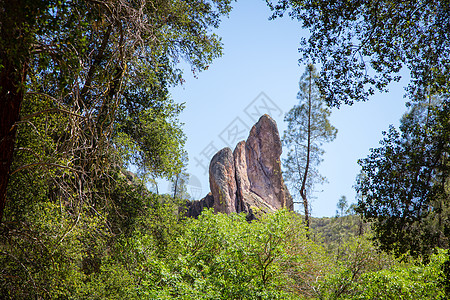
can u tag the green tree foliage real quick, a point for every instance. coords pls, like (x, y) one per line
(333, 232)
(163, 256)
(226, 257)
(52, 249)
(358, 270)
(356, 257)
(91, 79)
(410, 281)
(404, 190)
(179, 182)
(106, 66)
(308, 128)
(363, 45)
(445, 268)
(342, 205)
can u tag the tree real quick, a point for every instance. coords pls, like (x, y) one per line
(106, 66)
(404, 188)
(308, 128)
(342, 205)
(363, 45)
(84, 92)
(179, 183)
(16, 32)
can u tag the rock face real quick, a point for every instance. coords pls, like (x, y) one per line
(248, 179)
(195, 208)
(222, 181)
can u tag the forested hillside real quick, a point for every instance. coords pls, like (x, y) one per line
(331, 230)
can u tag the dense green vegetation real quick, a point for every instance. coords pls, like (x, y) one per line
(164, 256)
(89, 80)
(362, 46)
(403, 185)
(84, 95)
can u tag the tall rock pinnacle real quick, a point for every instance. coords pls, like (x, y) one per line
(248, 179)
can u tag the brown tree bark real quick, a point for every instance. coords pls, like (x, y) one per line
(14, 54)
(11, 95)
(303, 191)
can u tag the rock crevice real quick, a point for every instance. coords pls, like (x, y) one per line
(248, 179)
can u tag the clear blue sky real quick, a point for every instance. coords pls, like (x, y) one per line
(261, 56)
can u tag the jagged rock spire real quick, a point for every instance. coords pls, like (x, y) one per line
(248, 179)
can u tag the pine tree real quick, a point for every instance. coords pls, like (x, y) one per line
(308, 128)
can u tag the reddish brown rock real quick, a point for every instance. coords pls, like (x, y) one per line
(222, 181)
(242, 183)
(195, 208)
(249, 179)
(263, 151)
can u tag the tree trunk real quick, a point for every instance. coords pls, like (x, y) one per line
(308, 156)
(11, 96)
(305, 205)
(14, 55)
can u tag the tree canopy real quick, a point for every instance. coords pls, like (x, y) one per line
(362, 46)
(84, 93)
(404, 187)
(103, 69)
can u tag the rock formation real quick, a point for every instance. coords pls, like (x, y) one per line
(248, 179)
(222, 181)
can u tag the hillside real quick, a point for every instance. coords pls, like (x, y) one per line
(333, 231)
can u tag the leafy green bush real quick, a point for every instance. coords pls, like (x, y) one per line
(406, 281)
(354, 257)
(225, 257)
(44, 255)
(161, 255)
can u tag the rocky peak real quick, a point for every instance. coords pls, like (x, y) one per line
(248, 179)
(222, 181)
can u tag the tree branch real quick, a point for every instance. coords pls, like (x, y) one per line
(42, 164)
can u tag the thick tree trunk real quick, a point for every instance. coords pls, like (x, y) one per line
(11, 95)
(14, 55)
